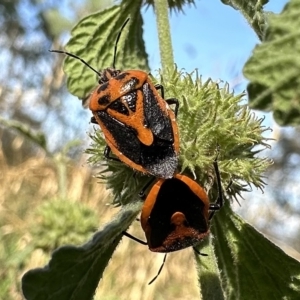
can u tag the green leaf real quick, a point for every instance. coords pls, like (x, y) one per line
(252, 267)
(274, 68)
(209, 276)
(93, 39)
(73, 273)
(252, 10)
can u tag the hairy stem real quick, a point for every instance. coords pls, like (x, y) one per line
(164, 34)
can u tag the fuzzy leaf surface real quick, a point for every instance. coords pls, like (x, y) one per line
(93, 39)
(274, 68)
(73, 273)
(252, 267)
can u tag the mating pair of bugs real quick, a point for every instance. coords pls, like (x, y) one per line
(141, 130)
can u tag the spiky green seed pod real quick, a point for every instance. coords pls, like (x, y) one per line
(210, 117)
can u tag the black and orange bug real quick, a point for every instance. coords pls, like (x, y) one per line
(176, 213)
(139, 127)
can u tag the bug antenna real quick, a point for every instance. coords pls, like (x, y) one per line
(117, 40)
(77, 57)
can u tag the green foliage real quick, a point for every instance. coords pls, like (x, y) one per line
(12, 260)
(208, 116)
(208, 272)
(211, 115)
(93, 39)
(73, 272)
(60, 222)
(124, 184)
(251, 266)
(273, 69)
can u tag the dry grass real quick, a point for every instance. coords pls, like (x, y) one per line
(133, 266)
(26, 186)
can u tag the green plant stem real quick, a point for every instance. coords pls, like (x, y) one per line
(208, 273)
(164, 34)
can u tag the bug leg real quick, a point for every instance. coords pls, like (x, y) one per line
(162, 90)
(174, 101)
(169, 101)
(93, 120)
(142, 194)
(159, 271)
(133, 238)
(198, 252)
(107, 152)
(220, 201)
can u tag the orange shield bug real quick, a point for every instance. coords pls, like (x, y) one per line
(176, 213)
(139, 127)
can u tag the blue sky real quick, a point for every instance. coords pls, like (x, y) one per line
(212, 37)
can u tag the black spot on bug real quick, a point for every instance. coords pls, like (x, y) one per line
(122, 75)
(119, 107)
(102, 87)
(104, 100)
